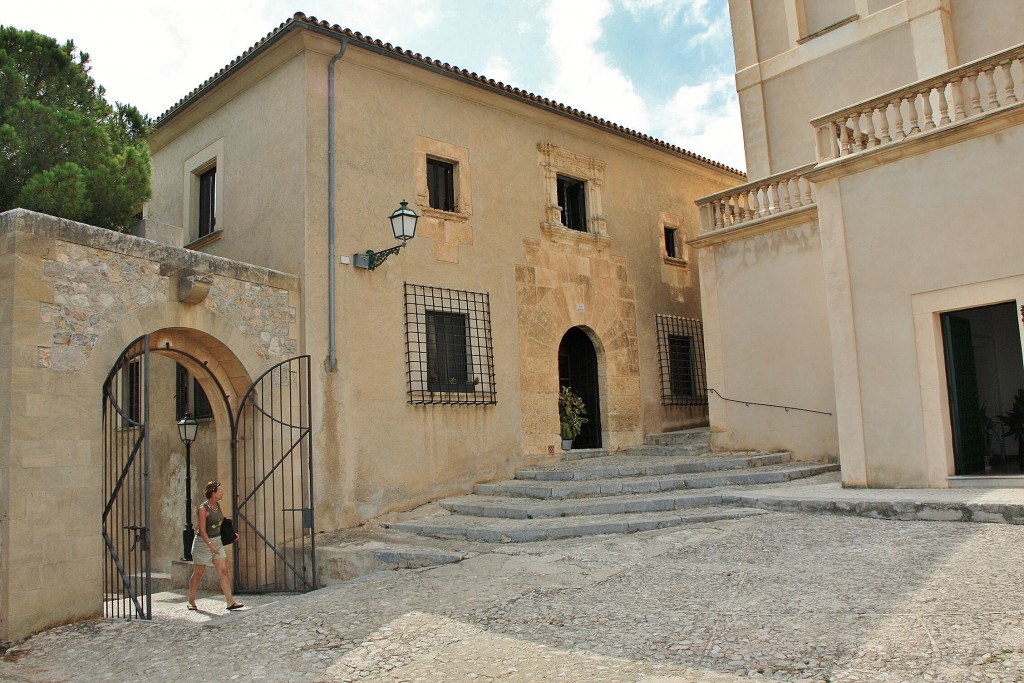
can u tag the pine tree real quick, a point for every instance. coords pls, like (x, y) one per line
(63, 149)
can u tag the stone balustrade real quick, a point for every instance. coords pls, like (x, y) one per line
(957, 95)
(762, 198)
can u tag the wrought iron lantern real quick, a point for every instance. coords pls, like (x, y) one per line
(403, 224)
(188, 428)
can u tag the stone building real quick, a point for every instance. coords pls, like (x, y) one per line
(551, 250)
(869, 273)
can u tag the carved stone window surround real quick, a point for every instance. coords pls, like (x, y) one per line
(557, 161)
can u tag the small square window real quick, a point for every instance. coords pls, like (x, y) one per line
(572, 200)
(441, 184)
(671, 250)
(207, 202)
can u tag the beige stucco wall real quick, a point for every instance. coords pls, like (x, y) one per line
(924, 228)
(374, 451)
(767, 339)
(787, 74)
(981, 27)
(72, 297)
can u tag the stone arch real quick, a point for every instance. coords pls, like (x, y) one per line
(610, 323)
(212, 350)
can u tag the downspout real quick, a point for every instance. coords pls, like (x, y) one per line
(332, 336)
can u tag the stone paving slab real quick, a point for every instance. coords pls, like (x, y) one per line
(955, 505)
(775, 597)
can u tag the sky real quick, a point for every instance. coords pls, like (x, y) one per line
(661, 67)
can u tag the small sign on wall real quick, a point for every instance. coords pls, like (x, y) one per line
(580, 308)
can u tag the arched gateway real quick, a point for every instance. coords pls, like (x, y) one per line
(264, 449)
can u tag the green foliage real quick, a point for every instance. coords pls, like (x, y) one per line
(63, 149)
(1013, 421)
(570, 413)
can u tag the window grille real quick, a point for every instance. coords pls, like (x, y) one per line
(681, 355)
(449, 351)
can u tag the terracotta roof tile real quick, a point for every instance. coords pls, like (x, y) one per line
(300, 20)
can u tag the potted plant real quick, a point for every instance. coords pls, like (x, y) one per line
(1013, 421)
(570, 415)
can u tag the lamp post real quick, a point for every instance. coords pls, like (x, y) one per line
(188, 427)
(403, 224)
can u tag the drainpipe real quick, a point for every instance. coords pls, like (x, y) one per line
(332, 340)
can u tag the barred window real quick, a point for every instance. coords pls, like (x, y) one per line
(681, 355)
(449, 348)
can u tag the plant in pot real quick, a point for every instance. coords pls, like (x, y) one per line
(570, 414)
(1013, 421)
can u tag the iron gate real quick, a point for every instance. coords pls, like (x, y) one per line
(127, 572)
(273, 483)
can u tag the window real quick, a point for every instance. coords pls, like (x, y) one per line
(441, 184)
(189, 397)
(447, 354)
(131, 391)
(207, 202)
(571, 199)
(681, 365)
(449, 349)
(670, 242)
(573, 189)
(203, 199)
(681, 355)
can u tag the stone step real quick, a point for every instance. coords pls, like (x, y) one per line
(688, 437)
(526, 531)
(610, 466)
(652, 484)
(530, 508)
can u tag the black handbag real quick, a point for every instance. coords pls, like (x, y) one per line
(227, 532)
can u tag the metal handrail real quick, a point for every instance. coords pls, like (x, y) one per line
(767, 405)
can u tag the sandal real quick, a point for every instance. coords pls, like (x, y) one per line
(192, 607)
(236, 605)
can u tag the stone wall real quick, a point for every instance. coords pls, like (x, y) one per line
(72, 298)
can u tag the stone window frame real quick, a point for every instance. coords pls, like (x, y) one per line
(555, 162)
(211, 157)
(458, 157)
(682, 258)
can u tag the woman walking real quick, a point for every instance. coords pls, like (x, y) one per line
(207, 548)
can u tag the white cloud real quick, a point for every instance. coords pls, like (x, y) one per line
(581, 76)
(501, 69)
(705, 119)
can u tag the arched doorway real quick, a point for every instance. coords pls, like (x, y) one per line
(263, 447)
(577, 369)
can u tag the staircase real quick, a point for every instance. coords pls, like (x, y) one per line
(673, 479)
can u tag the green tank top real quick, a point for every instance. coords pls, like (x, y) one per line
(213, 521)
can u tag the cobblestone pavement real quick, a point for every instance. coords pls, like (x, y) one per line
(781, 597)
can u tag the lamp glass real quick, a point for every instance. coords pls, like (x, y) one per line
(403, 222)
(188, 427)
